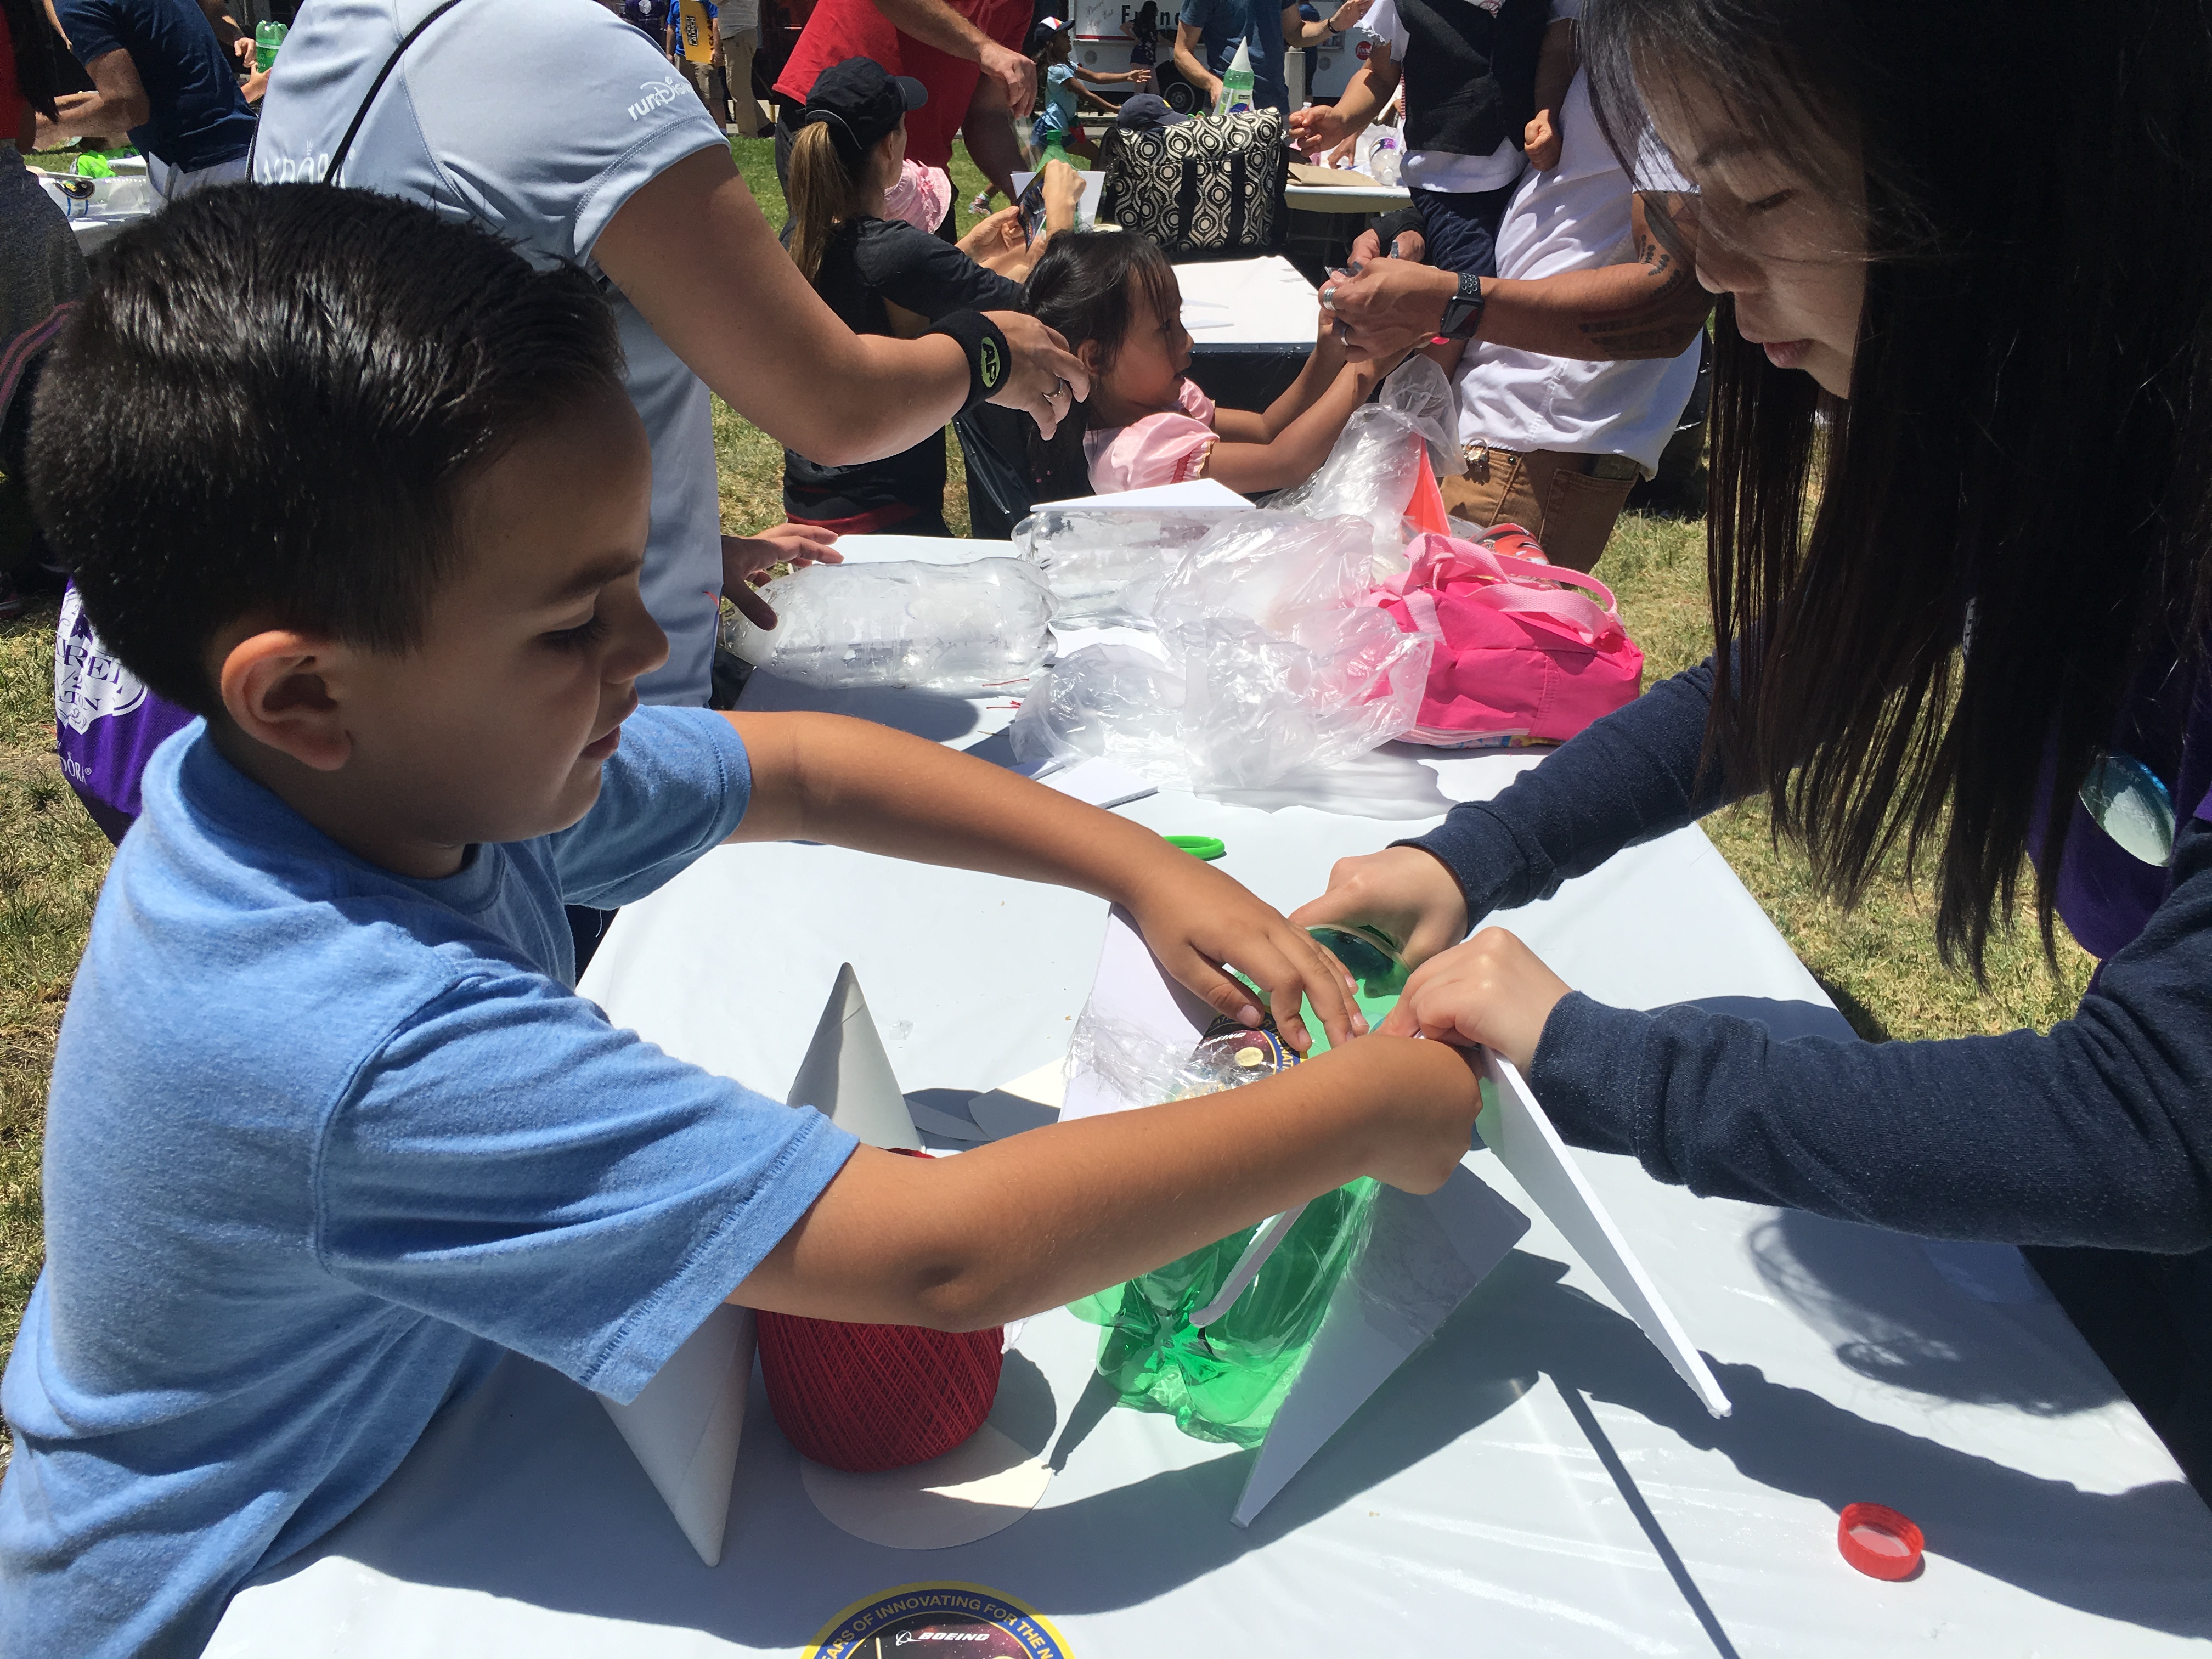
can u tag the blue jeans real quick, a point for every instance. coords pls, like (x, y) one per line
(1461, 227)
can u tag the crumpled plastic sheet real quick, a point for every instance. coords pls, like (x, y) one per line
(1272, 663)
(1372, 470)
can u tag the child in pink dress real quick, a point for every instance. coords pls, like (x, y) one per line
(1113, 297)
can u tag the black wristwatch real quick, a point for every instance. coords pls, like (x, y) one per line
(1463, 311)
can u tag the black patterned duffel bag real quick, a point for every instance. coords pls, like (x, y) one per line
(1213, 184)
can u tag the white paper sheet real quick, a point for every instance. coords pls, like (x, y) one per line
(1515, 1128)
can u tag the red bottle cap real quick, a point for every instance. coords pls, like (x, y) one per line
(1879, 1541)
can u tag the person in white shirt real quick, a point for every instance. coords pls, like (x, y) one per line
(1482, 81)
(1583, 350)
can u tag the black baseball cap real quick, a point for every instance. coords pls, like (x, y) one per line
(862, 104)
(1146, 112)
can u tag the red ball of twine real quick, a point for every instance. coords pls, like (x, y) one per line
(864, 1398)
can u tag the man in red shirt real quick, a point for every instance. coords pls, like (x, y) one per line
(968, 53)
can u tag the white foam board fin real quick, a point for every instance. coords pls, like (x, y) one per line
(682, 1428)
(1423, 1257)
(1515, 1128)
(847, 1077)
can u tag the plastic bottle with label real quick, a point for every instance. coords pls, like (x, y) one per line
(268, 41)
(1237, 83)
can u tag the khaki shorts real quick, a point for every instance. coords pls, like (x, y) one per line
(1556, 497)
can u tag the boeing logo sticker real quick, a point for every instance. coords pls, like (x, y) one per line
(939, 1621)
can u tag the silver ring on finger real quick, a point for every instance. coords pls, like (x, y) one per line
(1328, 298)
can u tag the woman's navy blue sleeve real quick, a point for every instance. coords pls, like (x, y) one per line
(2100, 1134)
(1630, 777)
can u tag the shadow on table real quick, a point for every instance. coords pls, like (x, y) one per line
(937, 715)
(1949, 1319)
(2133, 1556)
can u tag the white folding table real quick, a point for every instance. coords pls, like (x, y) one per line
(1537, 1481)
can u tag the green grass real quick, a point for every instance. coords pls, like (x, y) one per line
(1878, 962)
(51, 862)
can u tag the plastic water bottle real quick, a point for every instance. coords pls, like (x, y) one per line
(267, 41)
(960, 627)
(1237, 82)
(1106, 565)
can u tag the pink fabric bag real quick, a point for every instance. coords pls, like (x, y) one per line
(1526, 651)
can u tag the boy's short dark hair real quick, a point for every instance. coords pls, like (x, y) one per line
(267, 403)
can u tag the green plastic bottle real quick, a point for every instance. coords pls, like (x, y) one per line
(268, 41)
(1237, 82)
(1226, 1381)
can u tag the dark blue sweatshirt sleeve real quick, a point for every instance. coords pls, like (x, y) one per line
(1630, 777)
(2100, 1134)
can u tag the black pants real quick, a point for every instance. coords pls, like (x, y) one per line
(2149, 1318)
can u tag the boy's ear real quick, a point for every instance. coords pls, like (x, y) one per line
(273, 690)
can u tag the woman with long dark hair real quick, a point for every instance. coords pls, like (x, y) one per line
(1962, 474)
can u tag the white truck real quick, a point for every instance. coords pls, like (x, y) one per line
(1103, 39)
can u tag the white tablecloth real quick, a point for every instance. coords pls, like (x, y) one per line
(1340, 198)
(1537, 1481)
(1238, 304)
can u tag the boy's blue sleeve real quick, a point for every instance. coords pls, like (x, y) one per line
(675, 788)
(512, 1163)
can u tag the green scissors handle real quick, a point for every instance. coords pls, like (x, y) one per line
(1199, 847)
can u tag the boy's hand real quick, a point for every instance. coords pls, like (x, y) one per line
(748, 559)
(1196, 917)
(1403, 891)
(1493, 990)
(1542, 141)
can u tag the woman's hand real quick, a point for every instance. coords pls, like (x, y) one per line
(1404, 893)
(748, 559)
(1197, 918)
(990, 239)
(1318, 127)
(1389, 305)
(1493, 990)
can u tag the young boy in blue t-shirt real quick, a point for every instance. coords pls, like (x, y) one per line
(330, 1130)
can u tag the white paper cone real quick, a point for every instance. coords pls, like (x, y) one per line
(683, 1426)
(847, 1077)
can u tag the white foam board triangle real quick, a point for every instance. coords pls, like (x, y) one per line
(683, 1426)
(1424, 1255)
(847, 1077)
(1516, 1128)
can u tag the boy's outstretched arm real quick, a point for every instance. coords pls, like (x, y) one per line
(850, 783)
(1035, 1220)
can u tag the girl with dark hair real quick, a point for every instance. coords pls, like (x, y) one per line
(1953, 266)
(883, 276)
(1112, 296)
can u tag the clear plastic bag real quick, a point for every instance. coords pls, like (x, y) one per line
(1270, 662)
(1105, 565)
(943, 627)
(1371, 472)
(1113, 701)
